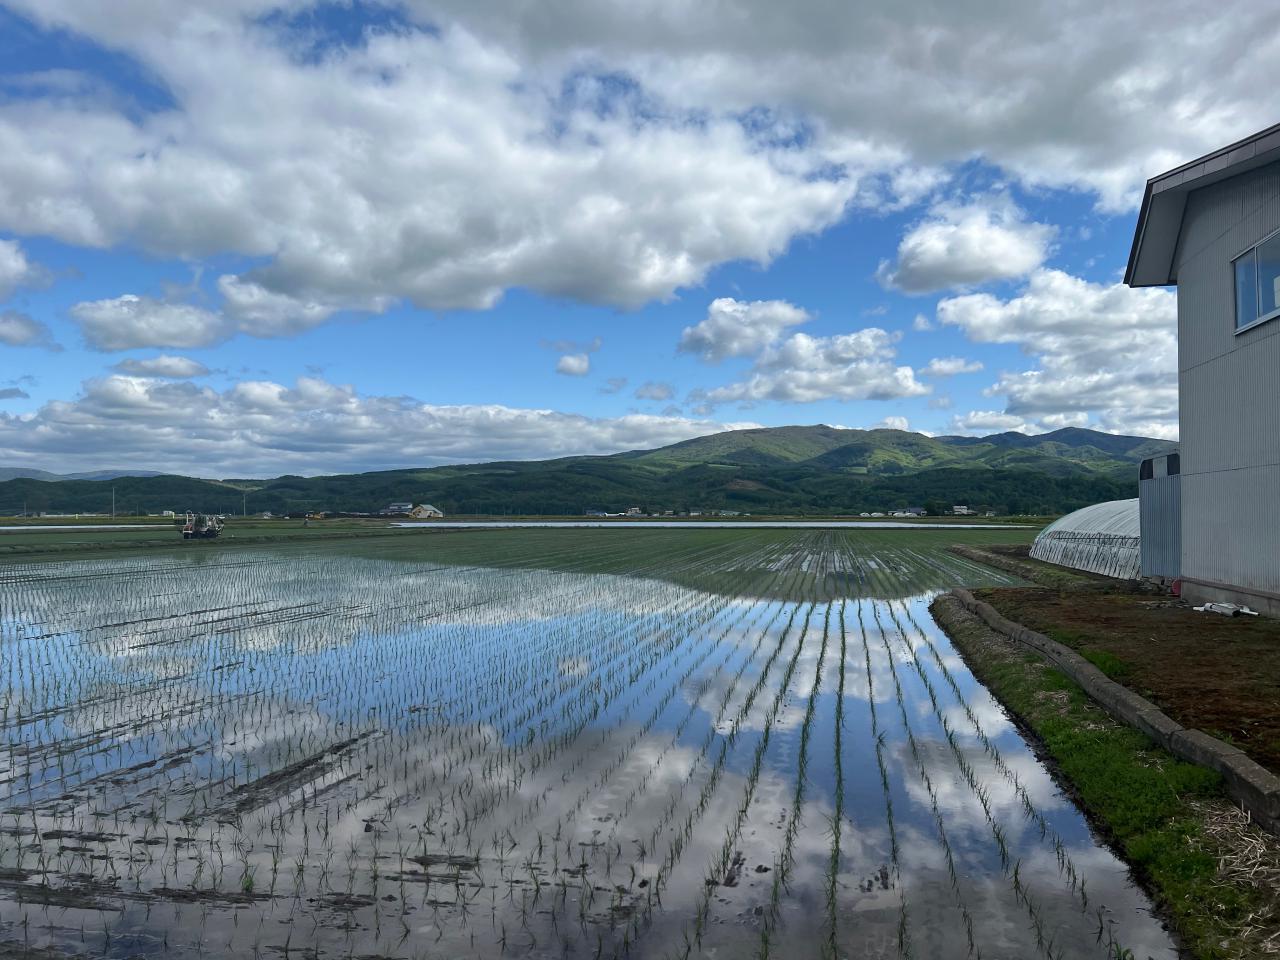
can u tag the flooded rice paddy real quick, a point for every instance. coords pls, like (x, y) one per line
(562, 744)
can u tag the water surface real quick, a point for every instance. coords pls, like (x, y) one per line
(257, 753)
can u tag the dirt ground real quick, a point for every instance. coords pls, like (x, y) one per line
(1217, 673)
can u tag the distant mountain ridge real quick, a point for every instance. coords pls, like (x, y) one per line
(29, 473)
(796, 469)
(869, 447)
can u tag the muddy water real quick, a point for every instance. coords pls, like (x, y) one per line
(345, 756)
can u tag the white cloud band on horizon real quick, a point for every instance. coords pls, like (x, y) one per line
(262, 428)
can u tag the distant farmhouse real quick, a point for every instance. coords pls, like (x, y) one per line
(1212, 228)
(420, 511)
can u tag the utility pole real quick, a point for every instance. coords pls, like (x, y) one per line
(244, 503)
(113, 503)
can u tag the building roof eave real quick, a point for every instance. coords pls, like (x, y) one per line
(1155, 238)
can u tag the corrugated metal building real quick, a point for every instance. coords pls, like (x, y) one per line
(1160, 509)
(1212, 228)
(1103, 538)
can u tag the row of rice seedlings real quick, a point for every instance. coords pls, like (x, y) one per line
(642, 731)
(913, 745)
(695, 707)
(952, 568)
(1075, 882)
(717, 869)
(624, 683)
(592, 711)
(453, 732)
(633, 691)
(807, 559)
(786, 859)
(76, 699)
(587, 551)
(904, 924)
(627, 933)
(535, 895)
(664, 867)
(831, 944)
(1044, 937)
(630, 934)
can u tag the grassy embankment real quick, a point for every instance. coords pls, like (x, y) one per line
(1169, 819)
(1213, 673)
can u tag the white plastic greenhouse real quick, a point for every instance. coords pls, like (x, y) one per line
(1103, 538)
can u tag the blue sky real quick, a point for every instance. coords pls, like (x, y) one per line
(250, 237)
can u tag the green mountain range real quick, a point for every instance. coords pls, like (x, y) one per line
(771, 470)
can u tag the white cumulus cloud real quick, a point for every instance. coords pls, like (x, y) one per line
(15, 269)
(989, 421)
(128, 322)
(804, 369)
(256, 310)
(574, 364)
(1096, 96)
(964, 245)
(427, 164)
(655, 390)
(950, 367)
(892, 423)
(1101, 349)
(19, 329)
(165, 365)
(738, 328)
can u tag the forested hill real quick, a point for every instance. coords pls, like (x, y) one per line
(801, 469)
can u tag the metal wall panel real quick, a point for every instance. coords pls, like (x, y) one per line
(1160, 507)
(1229, 385)
(1231, 527)
(1231, 409)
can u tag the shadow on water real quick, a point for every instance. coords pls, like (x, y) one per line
(321, 754)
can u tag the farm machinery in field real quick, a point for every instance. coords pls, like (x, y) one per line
(200, 526)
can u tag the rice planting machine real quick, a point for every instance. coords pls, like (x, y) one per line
(200, 526)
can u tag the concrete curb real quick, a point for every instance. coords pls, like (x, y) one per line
(1255, 788)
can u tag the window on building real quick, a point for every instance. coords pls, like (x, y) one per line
(1269, 275)
(1246, 290)
(1258, 283)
